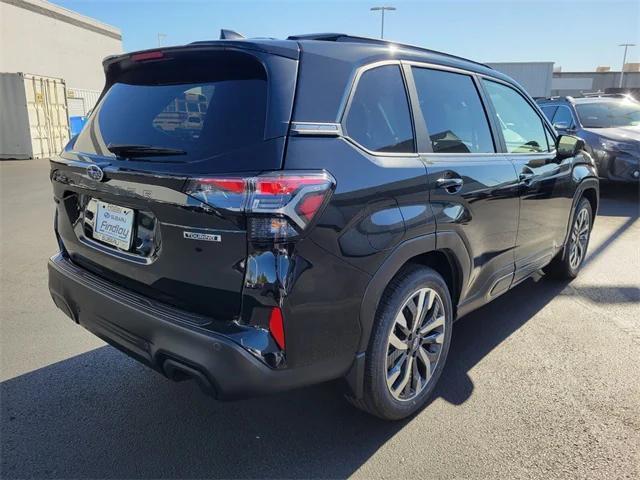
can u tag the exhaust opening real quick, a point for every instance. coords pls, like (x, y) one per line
(179, 372)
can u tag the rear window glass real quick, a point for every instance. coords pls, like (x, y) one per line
(378, 117)
(194, 108)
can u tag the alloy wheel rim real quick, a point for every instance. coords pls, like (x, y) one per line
(415, 344)
(579, 238)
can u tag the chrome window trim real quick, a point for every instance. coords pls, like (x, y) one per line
(352, 83)
(379, 154)
(436, 66)
(479, 155)
(316, 129)
(346, 105)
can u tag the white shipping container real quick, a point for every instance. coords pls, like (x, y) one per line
(33, 116)
(81, 101)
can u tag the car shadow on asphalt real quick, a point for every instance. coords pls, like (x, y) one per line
(103, 415)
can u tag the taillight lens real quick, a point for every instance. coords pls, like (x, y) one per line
(280, 205)
(225, 193)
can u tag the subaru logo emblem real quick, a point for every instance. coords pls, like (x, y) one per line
(95, 173)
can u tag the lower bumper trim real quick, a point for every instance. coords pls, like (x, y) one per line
(178, 349)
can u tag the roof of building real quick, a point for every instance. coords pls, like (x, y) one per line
(62, 14)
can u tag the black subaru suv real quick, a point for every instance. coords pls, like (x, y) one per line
(264, 214)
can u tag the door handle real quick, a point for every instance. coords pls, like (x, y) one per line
(451, 185)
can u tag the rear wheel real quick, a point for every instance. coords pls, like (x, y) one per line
(568, 263)
(409, 344)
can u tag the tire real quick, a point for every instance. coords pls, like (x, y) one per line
(567, 264)
(430, 343)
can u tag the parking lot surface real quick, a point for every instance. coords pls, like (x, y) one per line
(541, 383)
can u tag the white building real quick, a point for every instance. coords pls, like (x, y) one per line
(41, 38)
(534, 77)
(50, 74)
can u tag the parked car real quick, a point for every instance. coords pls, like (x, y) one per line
(610, 126)
(342, 202)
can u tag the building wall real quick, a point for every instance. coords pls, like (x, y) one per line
(534, 77)
(44, 39)
(576, 83)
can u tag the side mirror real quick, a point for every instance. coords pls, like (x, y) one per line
(569, 146)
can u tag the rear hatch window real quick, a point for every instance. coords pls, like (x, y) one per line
(165, 120)
(204, 108)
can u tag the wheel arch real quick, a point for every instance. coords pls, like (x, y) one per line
(451, 260)
(588, 188)
(448, 257)
(591, 194)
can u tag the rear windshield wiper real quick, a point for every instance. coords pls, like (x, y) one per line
(134, 151)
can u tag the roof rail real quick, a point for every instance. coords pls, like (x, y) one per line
(343, 37)
(568, 98)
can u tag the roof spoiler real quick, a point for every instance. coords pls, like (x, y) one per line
(226, 34)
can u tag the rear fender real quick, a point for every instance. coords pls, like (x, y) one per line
(446, 241)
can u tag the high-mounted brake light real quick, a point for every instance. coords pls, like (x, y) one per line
(140, 57)
(280, 205)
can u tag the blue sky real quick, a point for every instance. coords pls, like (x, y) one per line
(578, 35)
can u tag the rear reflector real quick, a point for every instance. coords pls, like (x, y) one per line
(276, 326)
(281, 205)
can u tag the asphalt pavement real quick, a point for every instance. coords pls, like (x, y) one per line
(542, 383)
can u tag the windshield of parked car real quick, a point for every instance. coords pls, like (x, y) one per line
(619, 113)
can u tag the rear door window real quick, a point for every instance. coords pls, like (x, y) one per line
(378, 117)
(200, 107)
(521, 126)
(453, 112)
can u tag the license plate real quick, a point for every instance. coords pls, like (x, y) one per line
(113, 225)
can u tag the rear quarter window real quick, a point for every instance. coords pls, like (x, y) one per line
(378, 117)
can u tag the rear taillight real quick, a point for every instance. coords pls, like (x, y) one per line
(280, 205)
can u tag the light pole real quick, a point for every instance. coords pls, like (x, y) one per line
(161, 37)
(382, 9)
(624, 59)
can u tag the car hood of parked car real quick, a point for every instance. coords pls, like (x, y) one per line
(619, 134)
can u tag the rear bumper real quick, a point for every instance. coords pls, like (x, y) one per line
(167, 340)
